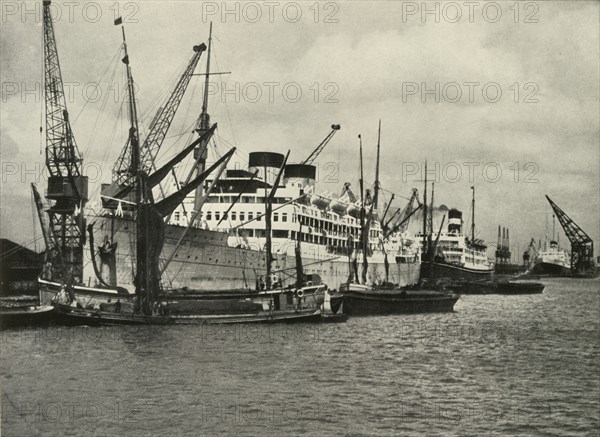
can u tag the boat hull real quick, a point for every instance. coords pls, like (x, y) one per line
(550, 269)
(520, 288)
(79, 316)
(473, 287)
(34, 316)
(451, 271)
(357, 303)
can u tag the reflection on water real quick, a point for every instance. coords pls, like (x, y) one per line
(498, 364)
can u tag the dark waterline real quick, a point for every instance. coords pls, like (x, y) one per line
(497, 365)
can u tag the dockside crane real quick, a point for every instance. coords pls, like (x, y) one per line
(67, 187)
(346, 190)
(159, 126)
(399, 220)
(582, 246)
(315, 153)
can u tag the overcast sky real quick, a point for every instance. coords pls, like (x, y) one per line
(516, 88)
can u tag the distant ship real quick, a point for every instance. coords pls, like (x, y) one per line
(454, 255)
(553, 261)
(457, 256)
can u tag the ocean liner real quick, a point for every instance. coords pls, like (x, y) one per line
(330, 241)
(552, 261)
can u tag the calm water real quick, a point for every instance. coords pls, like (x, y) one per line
(498, 365)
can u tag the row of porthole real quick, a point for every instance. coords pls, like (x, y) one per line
(229, 262)
(193, 237)
(216, 260)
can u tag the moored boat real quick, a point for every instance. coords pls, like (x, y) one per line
(34, 315)
(458, 257)
(363, 297)
(473, 287)
(266, 308)
(519, 287)
(374, 301)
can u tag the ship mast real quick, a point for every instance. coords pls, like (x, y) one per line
(376, 188)
(473, 223)
(363, 230)
(425, 248)
(376, 185)
(298, 256)
(134, 144)
(201, 152)
(430, 231)
(204, 116)
(143, 285)
(546, 230)
(268, 225)
(268, 213)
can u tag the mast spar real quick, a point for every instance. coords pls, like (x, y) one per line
(147, 278)
(201, 152)
(363, 230)
(473, 223)
(430, 218)
(425, 248)
(268, 213)
(376, 188)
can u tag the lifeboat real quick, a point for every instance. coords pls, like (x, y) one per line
(338, 206)
(319, 201)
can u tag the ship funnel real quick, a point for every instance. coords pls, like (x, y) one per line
(454, 221)
(265, 161)
(300, 175)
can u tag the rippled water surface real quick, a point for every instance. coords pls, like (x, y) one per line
(497, 365)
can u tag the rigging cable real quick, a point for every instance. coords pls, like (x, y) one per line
(227, 108)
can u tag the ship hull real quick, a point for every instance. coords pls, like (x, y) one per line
(205, 262)
(509, 269)
(454, 272)
(550, 269)
(200, 259)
